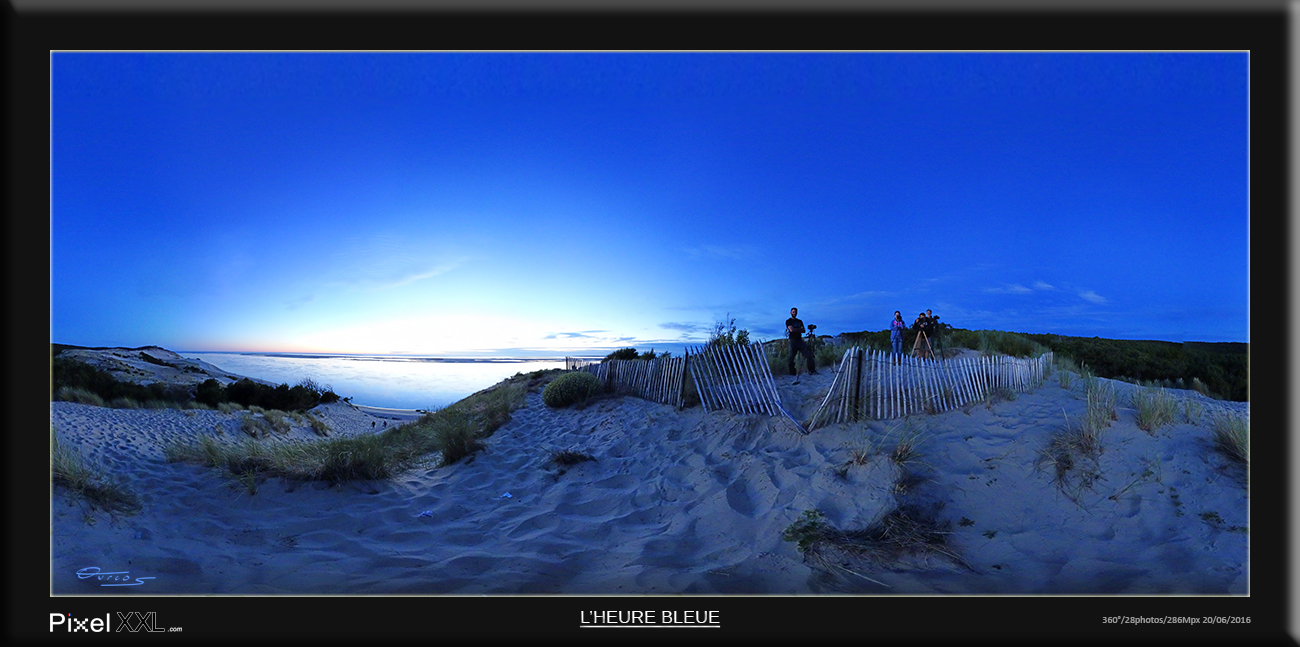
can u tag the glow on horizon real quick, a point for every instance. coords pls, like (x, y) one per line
(479, 204)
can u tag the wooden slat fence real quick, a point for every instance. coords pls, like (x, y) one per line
(574, 363)
(736, 378)
(659, 379)
(874, 384)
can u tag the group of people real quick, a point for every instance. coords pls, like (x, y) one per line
(925, 325)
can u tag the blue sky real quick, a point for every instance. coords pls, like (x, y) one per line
(552, 203)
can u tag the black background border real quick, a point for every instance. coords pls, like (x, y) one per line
(31, 36)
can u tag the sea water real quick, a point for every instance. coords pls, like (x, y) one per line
(380, 381)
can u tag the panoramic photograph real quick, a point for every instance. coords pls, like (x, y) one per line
(650, 323)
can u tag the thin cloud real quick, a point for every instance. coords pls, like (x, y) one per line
(1092, 296)
(1040, 285)
(572, 335)
(1014, 288)
(422, 274)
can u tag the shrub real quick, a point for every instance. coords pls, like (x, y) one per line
(570, 388)
(622, 353)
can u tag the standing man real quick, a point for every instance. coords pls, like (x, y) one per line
(932, 330)
(794, 328)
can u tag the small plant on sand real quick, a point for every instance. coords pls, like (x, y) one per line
(570, 388)
(568, 458)
(1192, 411)
(907, 446)
(124, 403)
(1232, 436)
(88, 482)
(1155, 408)
(229, 407)
(998, 394)
(1150, 473)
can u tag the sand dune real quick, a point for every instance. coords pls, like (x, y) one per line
(674, 502)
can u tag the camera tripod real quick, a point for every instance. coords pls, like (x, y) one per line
(921, 347)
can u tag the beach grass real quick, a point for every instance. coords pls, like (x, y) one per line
(1231, 434)
(907, 530)
(88, 482)
(1101, 400)
(79, 395)
(277, 420)
(254, 426)
(1155, 408)
(1073, 451)
(1066, 368)
(318, 425)
(454, 433)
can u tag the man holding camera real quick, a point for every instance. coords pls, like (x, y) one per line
(927, 323)
(794, 328)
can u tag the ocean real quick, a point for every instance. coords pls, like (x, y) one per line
(380, 381)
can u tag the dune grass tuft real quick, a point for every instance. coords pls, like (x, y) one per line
(1065, 370)
(318, 425)
(1073, 452)
(88, 482)
(79, 395)
(1101, 400)
(254, 426)
(906, 531)
(568, 458)
(277, 420)
(1232, 436)
(1155, 408)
